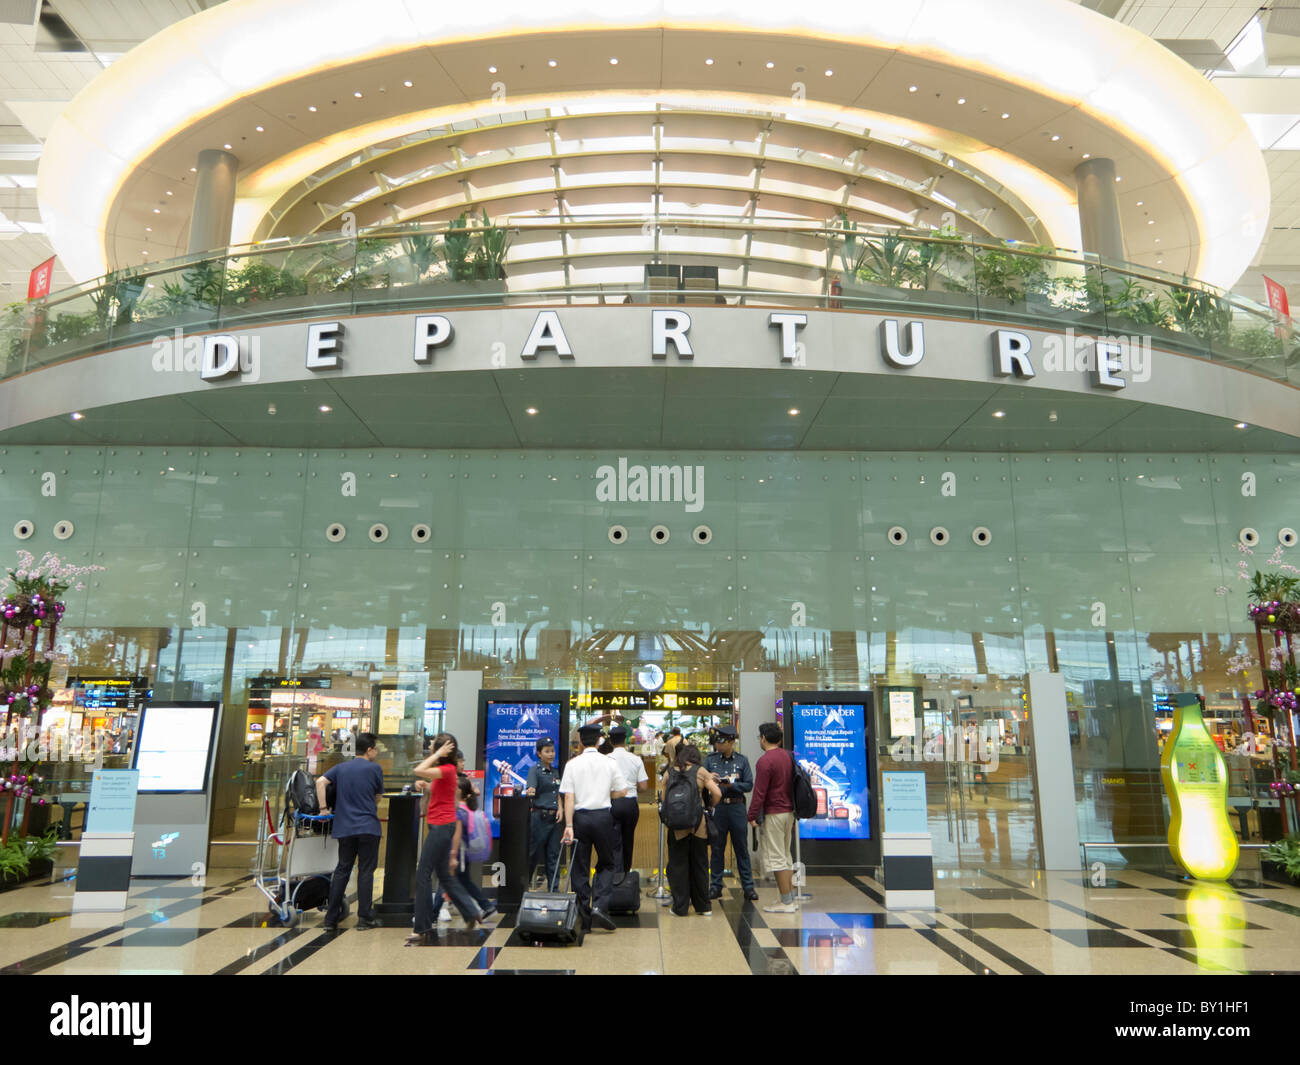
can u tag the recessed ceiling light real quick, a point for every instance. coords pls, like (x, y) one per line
(613, 61)
(194, 170)
(531, 410)
(260, 129)
(1241, 425)
(357, 95)
(157, 211)
(408, 84)
(708, 62)
(999, 414)
(1056, 136)
(961, 99)
(226, 146)
(1157, 240)
(552, 63)
(793, 411)
(830, 73)
(76, 415)
(1087, 155)
(312, 108)
(492, 70)
(769, 64)
(1151, 221)
(911, 88)
(169, 192)
(1160, 262)
(148, 229)
(1006, 114)
(325, 409)
(1118, 178)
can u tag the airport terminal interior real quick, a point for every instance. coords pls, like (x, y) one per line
(920, 377)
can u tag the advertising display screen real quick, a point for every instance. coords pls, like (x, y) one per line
(174, 747)
(511, 732)
(830, 741)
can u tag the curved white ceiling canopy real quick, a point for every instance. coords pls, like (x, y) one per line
(1021, 90)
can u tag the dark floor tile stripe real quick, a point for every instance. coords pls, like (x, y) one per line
(1104, 921)
(1004, 956)
(47, 958)
(297, 957)
(1273, 904)
(955, 952)
(531, 972)
(484, 958)
(871, 893)
(240, 964)
(1201, 963)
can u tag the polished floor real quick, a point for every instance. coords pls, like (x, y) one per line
(987, 923)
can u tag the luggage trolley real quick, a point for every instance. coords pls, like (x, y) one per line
(306, 854)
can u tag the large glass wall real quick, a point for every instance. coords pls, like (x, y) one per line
(256, 577)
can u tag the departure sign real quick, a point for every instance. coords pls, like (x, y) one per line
(620, 701)
(694, 702)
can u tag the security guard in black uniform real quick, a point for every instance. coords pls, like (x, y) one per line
(733, 774)
(546, 823)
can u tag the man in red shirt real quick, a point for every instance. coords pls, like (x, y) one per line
(772, 809)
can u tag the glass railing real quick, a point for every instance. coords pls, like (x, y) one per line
(620, 260)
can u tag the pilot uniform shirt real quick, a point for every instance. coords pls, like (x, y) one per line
(589, 778)
(630, 768)
(736, 766)
(545, 783)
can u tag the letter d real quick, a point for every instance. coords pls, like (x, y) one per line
(220, 357)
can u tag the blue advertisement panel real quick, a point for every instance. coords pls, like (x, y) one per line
(830, 741)
(510, 750)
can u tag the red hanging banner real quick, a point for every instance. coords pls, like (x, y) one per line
(1281, 306)
(38, 285)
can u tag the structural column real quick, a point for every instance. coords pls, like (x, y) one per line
(1099, 209)
(214, 201)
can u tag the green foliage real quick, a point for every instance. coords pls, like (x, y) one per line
(422, 250)
(40, 848)
(1266, 588)
(475, 253)
(495, 244)
(14, 862)
(456, 250)
(258, 279)
(1259, 342)
(1285, 853)
(1201, 313)
(887, 261)
(1135, 303)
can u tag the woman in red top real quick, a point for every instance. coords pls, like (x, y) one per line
(442, 843)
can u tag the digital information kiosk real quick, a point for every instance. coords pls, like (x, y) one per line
(174, 752)
(509, 725)
(832, 735)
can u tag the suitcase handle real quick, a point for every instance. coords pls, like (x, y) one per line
(572, 848)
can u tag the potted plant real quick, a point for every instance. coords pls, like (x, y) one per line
(1281, 861)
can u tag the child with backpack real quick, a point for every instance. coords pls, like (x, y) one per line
(476, 846)
(687, 792)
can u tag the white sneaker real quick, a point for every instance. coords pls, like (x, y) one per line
(444, 915)
(707, 913)
(781, 907)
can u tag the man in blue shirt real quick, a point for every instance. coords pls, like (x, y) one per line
(357, 787)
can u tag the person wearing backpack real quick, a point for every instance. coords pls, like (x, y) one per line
(358, 784)
(772, 809)
(683, 812)
(472, 824)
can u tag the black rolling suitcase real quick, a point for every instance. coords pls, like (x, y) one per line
(550, 915)
(626, 898)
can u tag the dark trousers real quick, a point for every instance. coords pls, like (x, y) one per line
(544, 837)
(593, 828)
(470, 883)
(626, 814)
(729, 822)
(436, 858)
(364, 850)
(688, 873)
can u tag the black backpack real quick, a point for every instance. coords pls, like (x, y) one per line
(682, 807)
(301, 792)
(802, 794)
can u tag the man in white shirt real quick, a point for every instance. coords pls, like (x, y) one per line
(589, 785)
(626, 811)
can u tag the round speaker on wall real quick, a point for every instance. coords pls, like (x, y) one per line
(378, 533)
(659, 534)
(981, 536)
(64, 530)
(617, 534)
(938, 536)
(702, 534)
(23, 529)
(897, 536)
(421, 533)
(1286, 537)
(335, 532)
(1248, 536)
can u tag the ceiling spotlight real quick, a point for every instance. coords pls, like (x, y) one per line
(708, 62)
(312, 108)
(1087, 155)
(169, 192)
(357, 95)
(1241, 425)
(227, 147)
(531, 410)
(492, 70)
(1139, 203)
(260, 129)
(613, 61)
(793, 412)
(325, 409)
(911, 88)
(961, 99)
(769, 64)
(157, 211)
(1118, 178)
(148, 229)
(1051, 415)
(408, 84)
(1006, 114)
(830, 73)
(76, 416)
(552, 63)
(1151, 221)
(1056, 136)
(194, 170)
(999, 414)
(270, 408)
